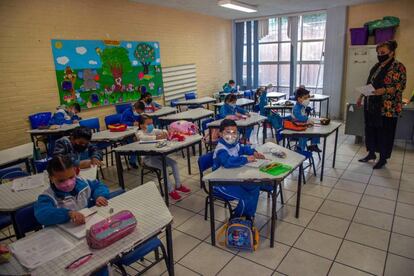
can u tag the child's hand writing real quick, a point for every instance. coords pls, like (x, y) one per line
(259, 155)
(251, 158)
(101, 201)
(96, 162)
(76, 217)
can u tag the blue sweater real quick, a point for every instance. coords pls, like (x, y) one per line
(228, 89)
(63, 146)
(230, 156)
(227, 109)
(61, 117)
(299, 113)
(128, 117)
(50, 207)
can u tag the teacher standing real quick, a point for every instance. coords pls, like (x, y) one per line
(381, 110)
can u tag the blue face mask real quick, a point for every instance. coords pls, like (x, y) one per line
(233, 105)
(150, 128)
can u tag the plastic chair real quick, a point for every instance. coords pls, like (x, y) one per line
(309, 156)
(120, 108)
(190, 96)
(248, 94)
(92, 123)
(205, 162)
(9, 170)
(13, 175)
(112, 119)
(116, 193)
(26, 220)
(173, 103)
(41, 164)
(40, 119)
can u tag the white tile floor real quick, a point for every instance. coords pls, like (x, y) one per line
(356, 222)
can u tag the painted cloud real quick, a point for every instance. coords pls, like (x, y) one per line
(62, 60)
(93, 62)
(81, 50)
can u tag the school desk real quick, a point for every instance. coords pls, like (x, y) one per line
(192, 115)
(163, 111)
(242, 102)
(152, 215)
(279, 106)
(320, 98)
(246, 174)
(150, 149)
(317, 131)
(198, 101)
(275, 96)
(11, 201)
(16, 155)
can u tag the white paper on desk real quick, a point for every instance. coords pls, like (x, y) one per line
(257, 163)
(79, 231)
(28, 182)
(40, 248)
(366, 90)
(89, 173)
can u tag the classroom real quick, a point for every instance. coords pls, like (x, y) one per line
(207, 137)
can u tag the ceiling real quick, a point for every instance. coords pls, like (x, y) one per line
(265, 7)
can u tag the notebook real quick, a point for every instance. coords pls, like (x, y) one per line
(79, 231)
(28, 182)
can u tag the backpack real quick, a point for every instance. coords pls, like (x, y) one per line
(239, 234)
(296, 126)
(183, 127)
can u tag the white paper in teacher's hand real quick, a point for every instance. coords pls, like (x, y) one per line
(366, 90)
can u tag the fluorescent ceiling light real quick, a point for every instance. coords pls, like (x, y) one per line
(236, 5)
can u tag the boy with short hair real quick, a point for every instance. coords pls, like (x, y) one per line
(150, 105)
(66, 115)
(230, 87)
(130, 116)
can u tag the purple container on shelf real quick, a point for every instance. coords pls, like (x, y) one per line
(384, 34)
(359, 36)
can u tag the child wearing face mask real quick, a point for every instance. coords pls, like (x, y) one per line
(67, 194)
(66, 115)
(150, 105)
(147, 132)
(299, 114)
(79, 147)
(229, 153)
(230, 87)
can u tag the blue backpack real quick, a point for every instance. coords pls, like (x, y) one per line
(240, 234)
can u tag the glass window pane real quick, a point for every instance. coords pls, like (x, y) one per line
(267, 74)
(285, 52)
(298, 57)
(320, 83)
(273, 31)
(283, 90)
(300, 28)
(284, 29)
(244, 74)
(312, 50)
(298, 76)
(314, 26)
(310, 74)
(268, 52)
(245, 53)
(284, 76)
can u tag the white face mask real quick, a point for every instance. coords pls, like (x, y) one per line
(231, 138)
(136, 113)
(306, 102)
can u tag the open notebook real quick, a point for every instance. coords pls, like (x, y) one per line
(79, 231)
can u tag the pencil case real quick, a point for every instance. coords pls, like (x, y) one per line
(111, 229)
(117, 127)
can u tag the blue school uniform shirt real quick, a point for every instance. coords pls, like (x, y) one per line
(299, 113)
(63, 146)
(61, 116)
(53, 206)
(227, 109)
(230, 156)
(228, 89)
(128, 117)
(263, 103)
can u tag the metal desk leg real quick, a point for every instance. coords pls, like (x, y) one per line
(299, 190)
(188, 160)
(165, 176)
(323, 156)
(168, 236)
(327, 108)
(211, 137)
(273, 222)
(336, 142)
(15, 227)
(320, 109)
(200, 149)
(32, 163)
(212, 222)
(264, 132)
(119, 170)
(27, 163)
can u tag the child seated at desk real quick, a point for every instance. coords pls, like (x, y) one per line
(79, 147)
(230, 108)
(230, 87)
(147, 132)
(299, 115)
(150, 105)
(229, 153)
(67, 194)
(66, 115)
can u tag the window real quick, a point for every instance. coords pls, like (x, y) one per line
(275, 64)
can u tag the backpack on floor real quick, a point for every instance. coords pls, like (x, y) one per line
(239, 234)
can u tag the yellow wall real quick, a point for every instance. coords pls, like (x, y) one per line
(27, 77)
(359, 14)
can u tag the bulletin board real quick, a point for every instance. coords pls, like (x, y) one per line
(97, 73)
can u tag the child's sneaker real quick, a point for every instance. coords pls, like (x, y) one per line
(175, 195)
(183, 189)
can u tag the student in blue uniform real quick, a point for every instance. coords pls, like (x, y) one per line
(67, 194)
(130, 117)
(66, 115)
(229, 153)
(299, 114)
(230, 87)
(150, 105)
(230, 108)
(79, 147)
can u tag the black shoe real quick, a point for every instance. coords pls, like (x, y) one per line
(381, 163)
(314, 148)
(133, 165)
(367, 158)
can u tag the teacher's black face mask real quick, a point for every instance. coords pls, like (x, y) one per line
(383, 58)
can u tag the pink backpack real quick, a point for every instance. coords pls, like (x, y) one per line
(109, 230)
(183, 127)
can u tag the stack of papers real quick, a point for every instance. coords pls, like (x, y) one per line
(79, 231)
(28, 182)
(41, 247)
(366, 90)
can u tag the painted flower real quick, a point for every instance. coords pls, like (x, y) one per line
(151, 85)
(387, 104)
(89, 104)
(387, 80)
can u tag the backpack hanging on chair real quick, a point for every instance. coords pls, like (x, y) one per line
(239, 234)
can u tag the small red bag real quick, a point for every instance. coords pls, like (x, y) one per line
(117, 127)
(296, 126)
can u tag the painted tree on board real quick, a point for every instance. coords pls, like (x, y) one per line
(115, 62)
(145, 53)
